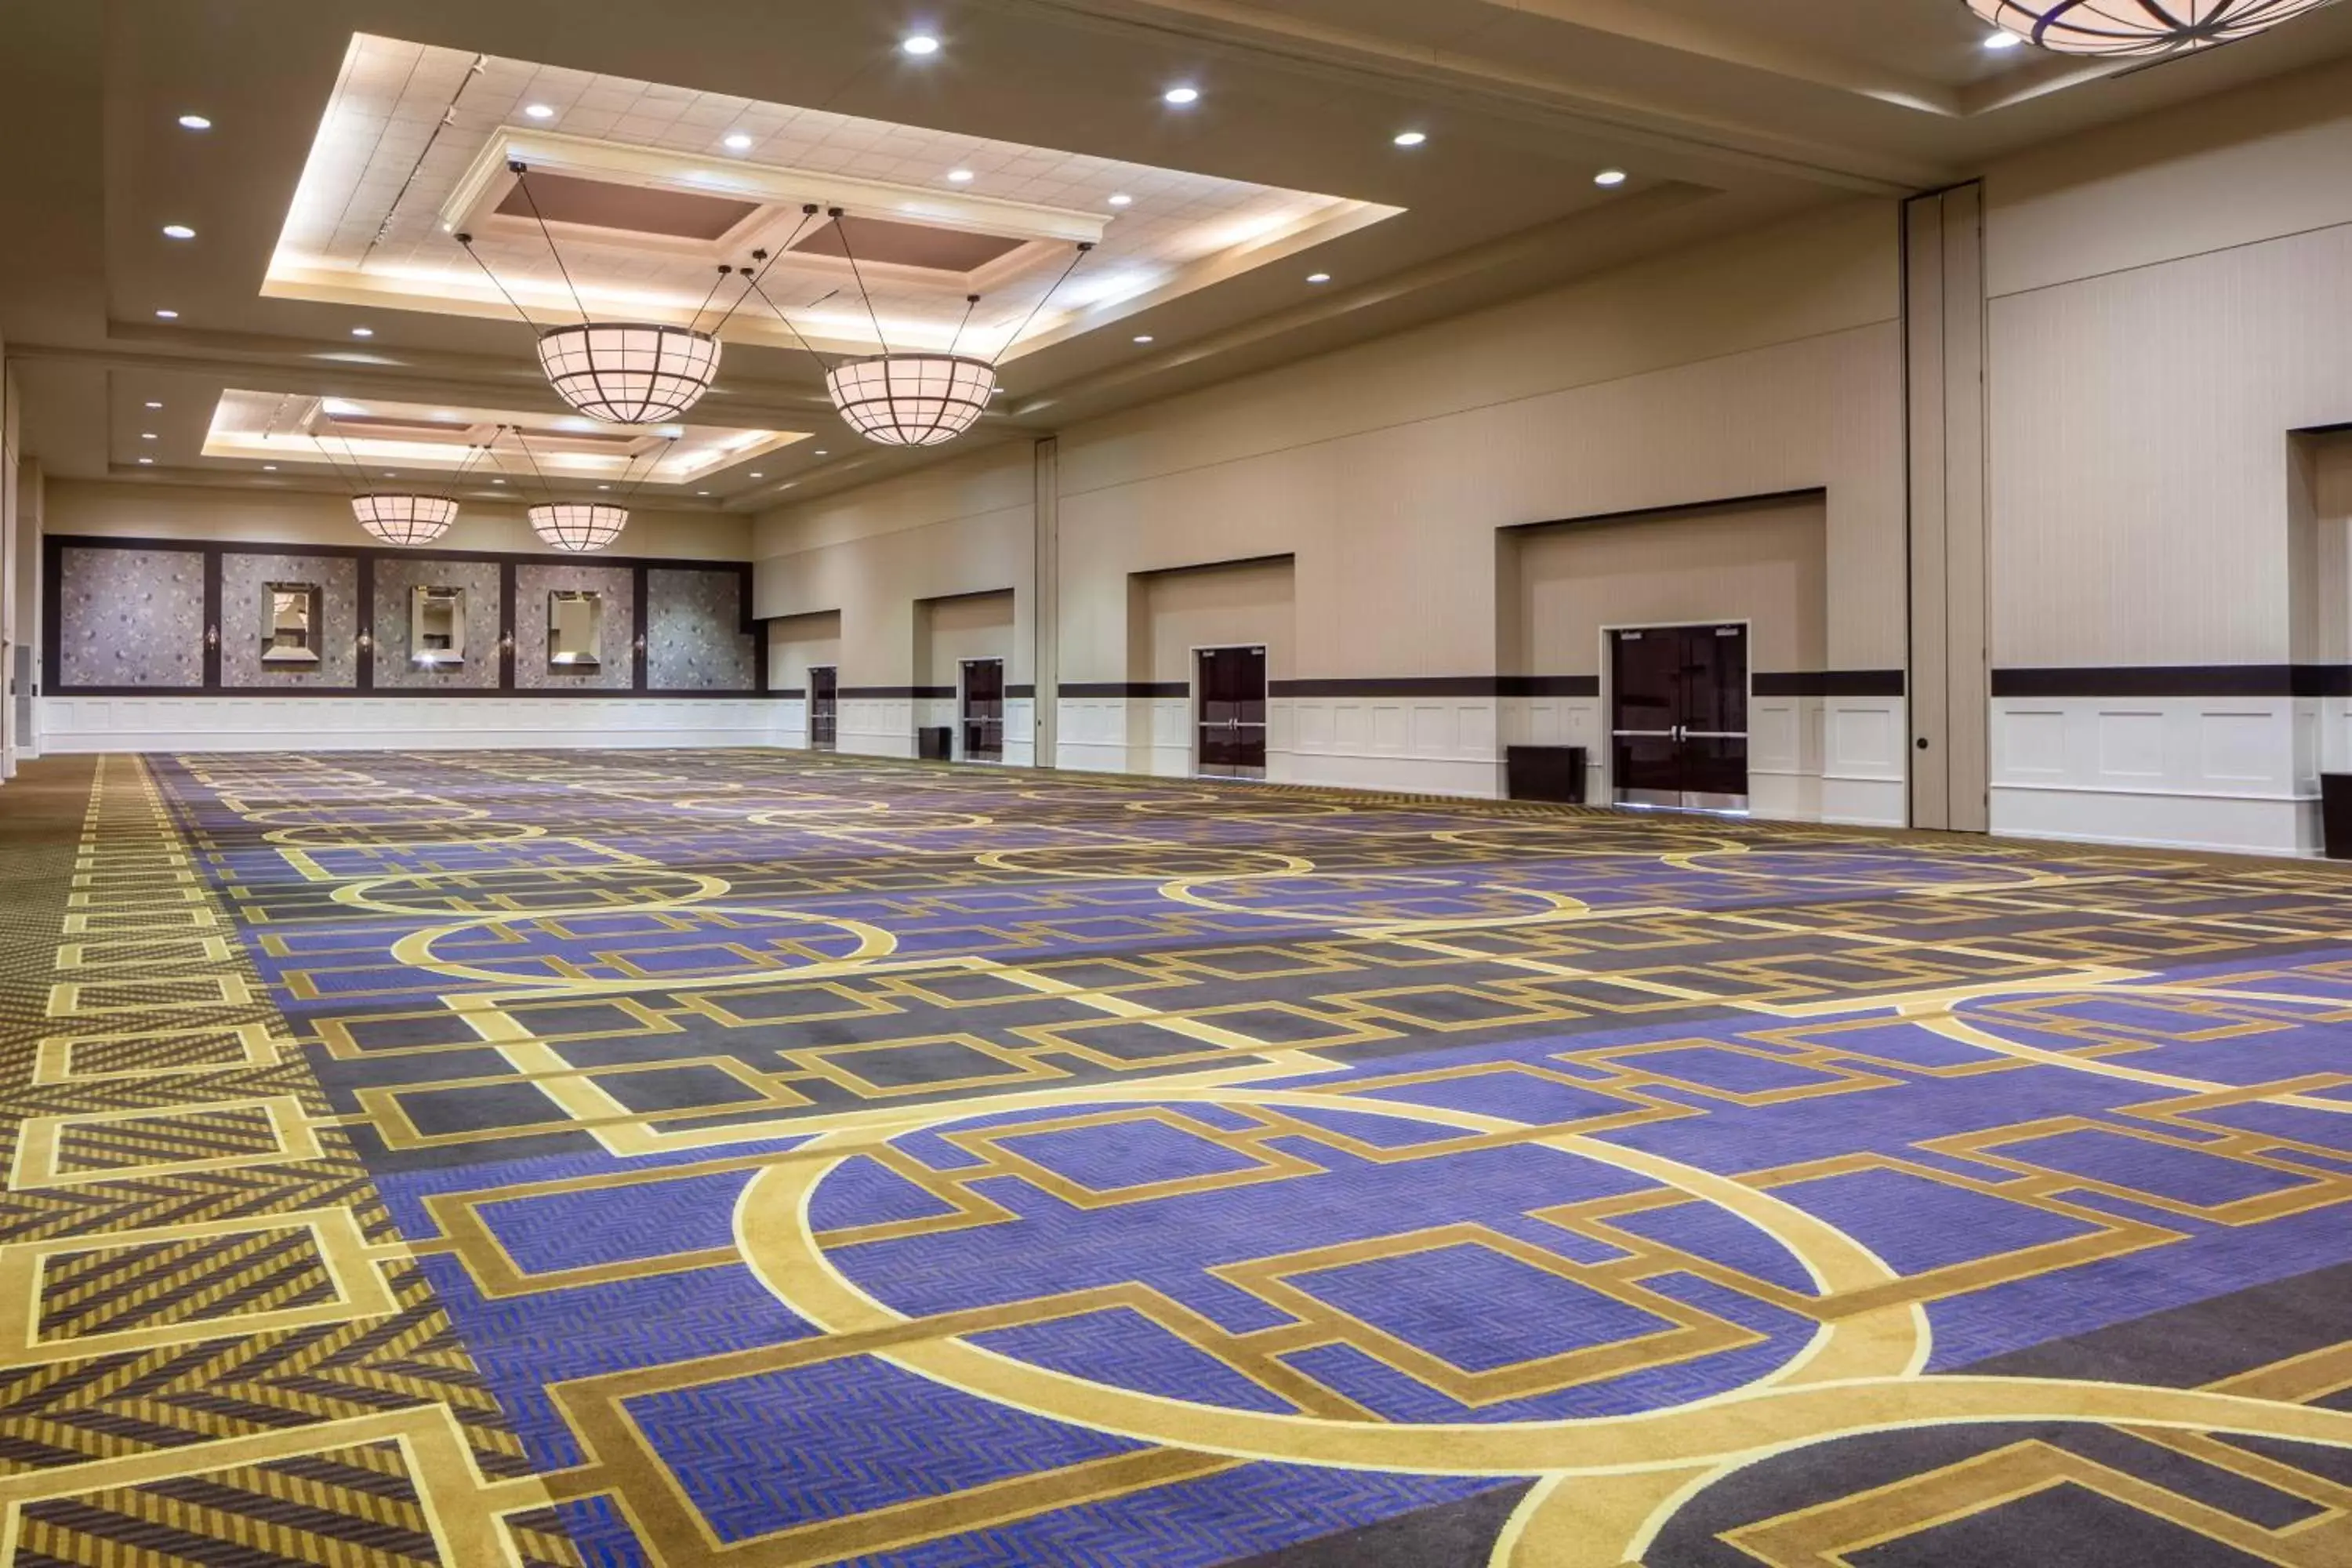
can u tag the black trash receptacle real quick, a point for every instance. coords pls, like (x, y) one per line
(1544, 772)
(933, 743)
(2335, 816)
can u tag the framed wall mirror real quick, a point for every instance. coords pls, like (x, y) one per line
(437, 624)
(575, 628)
(290, 629)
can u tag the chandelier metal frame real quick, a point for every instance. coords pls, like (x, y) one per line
(903, 397)
(2123, 28)
(623, 372)
(403, 519)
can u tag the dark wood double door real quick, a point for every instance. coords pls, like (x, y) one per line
(983, 714)
(825, 707)
(1678, 717)
(1229, 712)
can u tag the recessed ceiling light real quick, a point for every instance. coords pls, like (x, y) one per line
(2002, 41)
(919, 44)
(959, 176)
(268, 468)
(178, 231)
(152, 404)
(147, 436)
(702, 493)
(736, 141)
(538, 111)
(146, 462)
(1180, 95)
(1318, 278)
(363, 332)
(818, 453)
(759, 476)
(1410, 138)
(604, 487)
(1121, 199)
(1143, 337)
(195, 122)
(167, 315)
(1609, 177)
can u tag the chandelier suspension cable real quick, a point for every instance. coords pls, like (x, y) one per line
(970, 303)
(766, 260)
(629, 487)
(1079, 255)
(839, 217)
(546, 491)
(467, 241)
(779, 309)
(359, 475)
(521, 172)
(725, 272)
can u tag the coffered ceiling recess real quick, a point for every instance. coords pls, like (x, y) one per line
(648, 189)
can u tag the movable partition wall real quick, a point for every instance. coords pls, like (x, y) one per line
(157, 644)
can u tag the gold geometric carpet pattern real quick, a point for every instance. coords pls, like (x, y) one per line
(214, 1346)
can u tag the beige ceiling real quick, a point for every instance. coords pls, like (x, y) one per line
(1724, 112)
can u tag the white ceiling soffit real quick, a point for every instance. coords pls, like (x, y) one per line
(416, 141)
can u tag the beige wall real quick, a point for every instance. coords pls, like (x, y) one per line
(2169, 298)
(871, 554)
(796, 642)
(970, 626)
(1244, 604)
(160, 512)
(1765, 564)
(1763, 364)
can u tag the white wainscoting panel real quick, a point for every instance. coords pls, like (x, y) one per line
(1415, 745)
(874, 726)
(229, 723)
(1865, 745)
(1020, 732)
(1090, 734)
(2201, 772)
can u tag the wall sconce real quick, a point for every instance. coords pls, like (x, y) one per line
(640, 644)
(366, 642)
(212, 637)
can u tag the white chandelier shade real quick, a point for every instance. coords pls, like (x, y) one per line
(2136, 27)
(911, 399)
(578, 526)
(404, 519)
(629, 372)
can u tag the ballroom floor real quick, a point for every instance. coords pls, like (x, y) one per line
(759, 1159)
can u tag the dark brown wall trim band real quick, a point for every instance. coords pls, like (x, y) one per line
(1794, 683)
(791, 693)
(460, 693)
(1680, 509)
(1440, 686)
(1124, 689)
(2178, 680)
(1829, 683)
(883, 693)
(1013, 692)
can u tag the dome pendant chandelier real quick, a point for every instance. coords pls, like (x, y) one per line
(578, 527)
(623, 373)
(2126, 27)
(905, 398)
(402, 518)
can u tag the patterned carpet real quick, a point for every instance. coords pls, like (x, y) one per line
(756, 1158)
